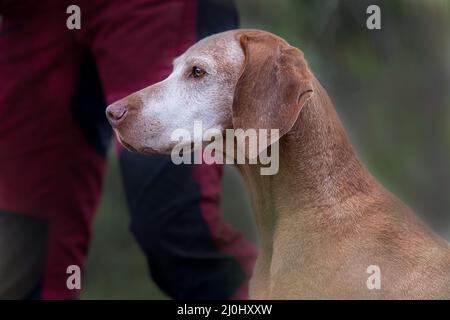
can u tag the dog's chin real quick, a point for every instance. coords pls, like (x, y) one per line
(128, 146)
(146, 149)
(152, 152)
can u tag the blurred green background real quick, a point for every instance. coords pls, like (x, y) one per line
(391, 88)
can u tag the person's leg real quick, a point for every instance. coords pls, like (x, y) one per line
(192, 253)
(23, 242)
(49, 171)
(175, 214)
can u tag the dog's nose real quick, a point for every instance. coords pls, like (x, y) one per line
(116, 113)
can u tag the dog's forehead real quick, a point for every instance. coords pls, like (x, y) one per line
(222, 49)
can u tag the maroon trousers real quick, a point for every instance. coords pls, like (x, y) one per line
(54, 85)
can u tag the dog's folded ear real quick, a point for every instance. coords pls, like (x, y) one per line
(274, 85)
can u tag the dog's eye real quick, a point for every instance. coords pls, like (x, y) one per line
(197, 72)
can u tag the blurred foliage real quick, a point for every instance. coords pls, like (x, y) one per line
(391, 88)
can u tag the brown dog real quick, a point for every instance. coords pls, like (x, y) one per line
(323, 220)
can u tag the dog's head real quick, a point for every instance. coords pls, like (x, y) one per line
(238, 79)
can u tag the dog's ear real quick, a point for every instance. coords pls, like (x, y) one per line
(274, 85)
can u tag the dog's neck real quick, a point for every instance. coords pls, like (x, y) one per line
(319, 180)
(312, 214)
